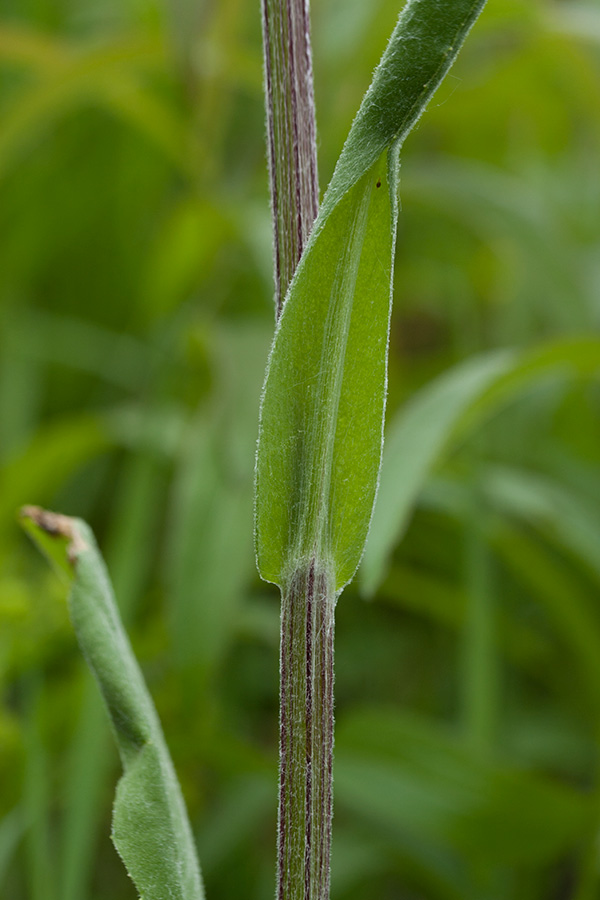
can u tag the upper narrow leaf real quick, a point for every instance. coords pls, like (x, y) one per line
(324, 397)
(421, 50)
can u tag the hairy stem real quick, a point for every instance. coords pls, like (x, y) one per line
(306, 736)
(291, 134)
(306, 717)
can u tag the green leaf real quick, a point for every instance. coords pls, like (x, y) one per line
(129, 551)
(320, 439)
(441, 414)
(151, 830)
(324, 397)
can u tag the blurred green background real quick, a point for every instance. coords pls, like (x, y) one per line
(135, 319)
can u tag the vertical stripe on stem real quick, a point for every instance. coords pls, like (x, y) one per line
(305, 783)
(291, 133)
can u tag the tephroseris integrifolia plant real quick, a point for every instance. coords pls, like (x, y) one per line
(322, 411)
(291, 134)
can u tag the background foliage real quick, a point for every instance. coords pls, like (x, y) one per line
(135, 317)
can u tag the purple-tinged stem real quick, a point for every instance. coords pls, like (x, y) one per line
(306, 717)
(291, 134)
(306, 736)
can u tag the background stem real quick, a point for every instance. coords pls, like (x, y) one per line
(305, 783)
(291, 134)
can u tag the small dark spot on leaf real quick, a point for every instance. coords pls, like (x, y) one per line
(378, 183)
(59, 526)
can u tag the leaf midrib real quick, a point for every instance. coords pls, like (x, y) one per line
(314, 538)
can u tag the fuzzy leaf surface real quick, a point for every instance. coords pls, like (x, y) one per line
(150, 829)
(323, 404)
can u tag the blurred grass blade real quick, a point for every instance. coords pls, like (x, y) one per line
(568, 598)
(54, 453)
(324, 397)
(36, 797)
(69, 76)
(210, 559)
(480, 670)
(415, 438)
(412, 778)
(578, 20)
(243, 808)
(67, 341)
(570, 604)
(444, 411)
(12, 828)
(150, 826)
(25, 47)
(567, 519)
(89, 762)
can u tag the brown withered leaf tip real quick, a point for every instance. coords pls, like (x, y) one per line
(57, 525)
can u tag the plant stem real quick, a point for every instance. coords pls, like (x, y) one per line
(291, 134)
(306, 656)
(306, 736)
